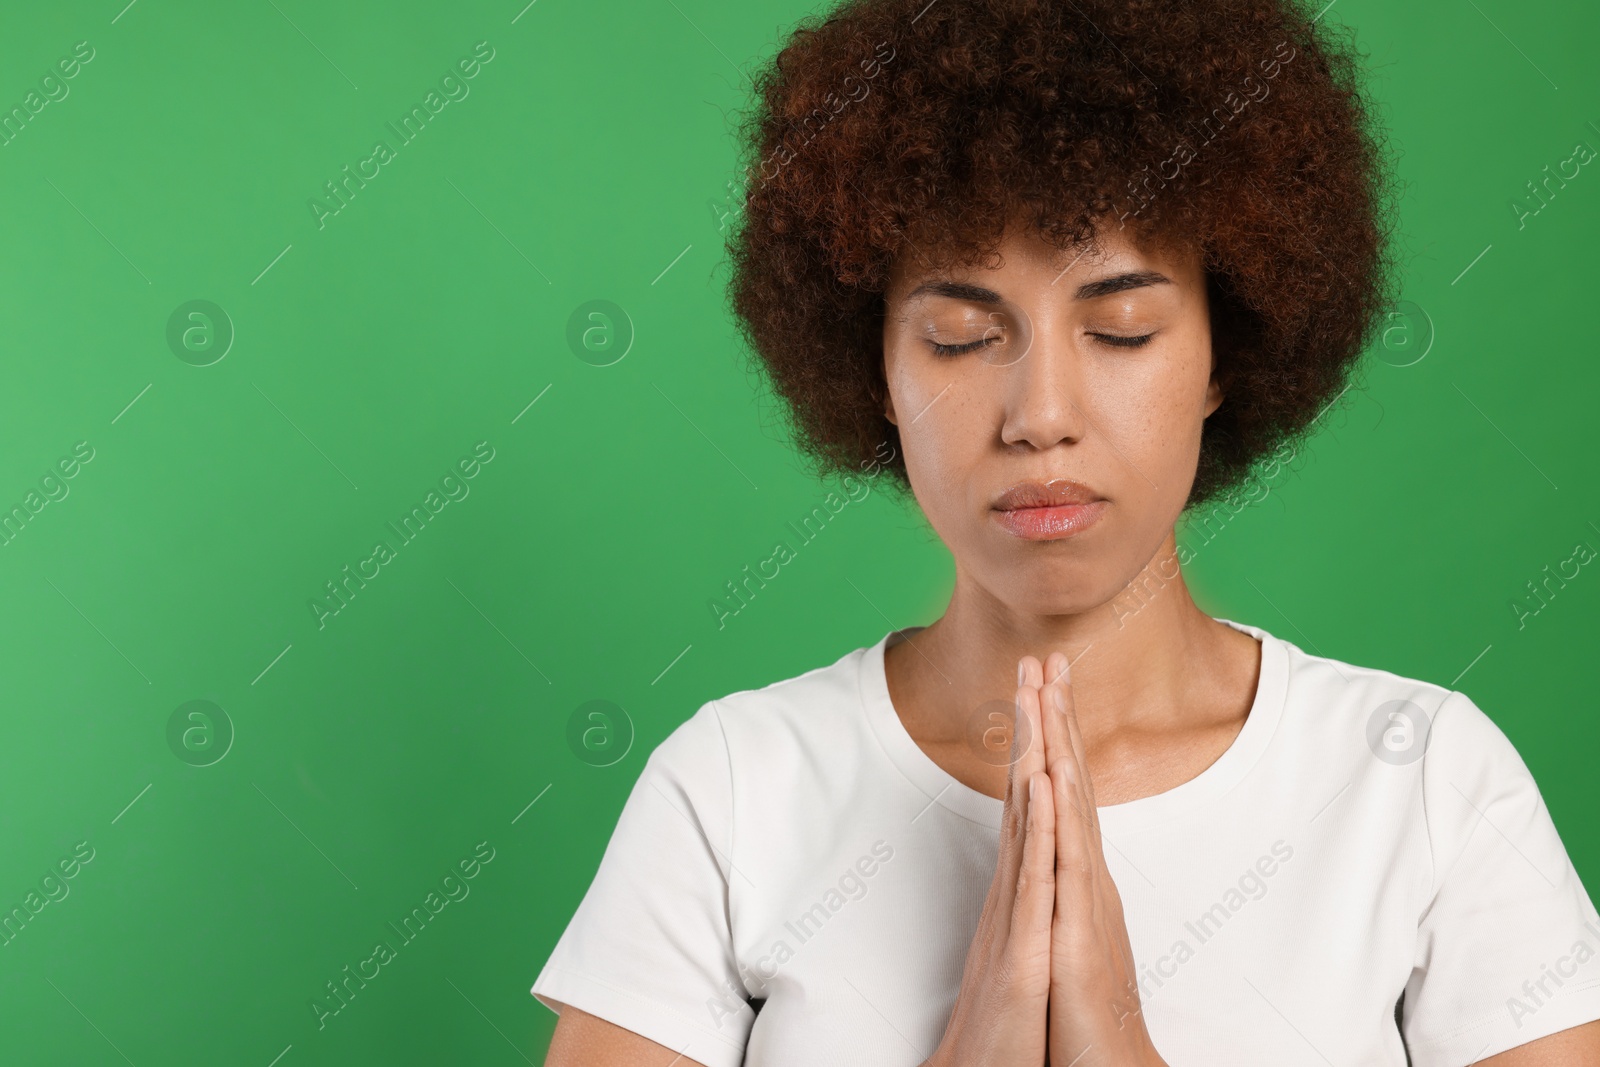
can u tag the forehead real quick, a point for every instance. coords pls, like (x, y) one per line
(1025, 257)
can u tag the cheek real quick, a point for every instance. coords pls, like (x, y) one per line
(936, 439)
(1154, 414)
(944, 426)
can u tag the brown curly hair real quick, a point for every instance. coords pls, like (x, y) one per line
(1232, 128)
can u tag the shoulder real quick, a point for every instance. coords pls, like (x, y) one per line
(1407, 733)
(790, 714)
(1369, 711)
(1401, 718)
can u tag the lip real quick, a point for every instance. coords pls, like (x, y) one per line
(1047, 511)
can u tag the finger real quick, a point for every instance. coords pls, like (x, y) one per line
(1061, 694)
(1027, 751)
(1013, 833)
(1066, 746)
(1055, 665)
(1066, 707)
(1100, 883)
(1036, 892)
(1057, 743)
(1074, 872)
(1030, 671)
(1017, 782)
(1025, 759)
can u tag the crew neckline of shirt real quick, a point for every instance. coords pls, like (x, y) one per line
(1266, 710)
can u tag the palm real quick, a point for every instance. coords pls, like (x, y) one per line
(1094, 1014)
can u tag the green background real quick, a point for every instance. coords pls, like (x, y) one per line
(592, 160)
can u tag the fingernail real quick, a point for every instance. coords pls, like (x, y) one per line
(1033, 789)
(1022, 673)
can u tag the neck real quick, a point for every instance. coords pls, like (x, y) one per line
(1143, 659)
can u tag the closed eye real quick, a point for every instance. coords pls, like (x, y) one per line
(1114, 340)
(1120, 341)
(956, 350)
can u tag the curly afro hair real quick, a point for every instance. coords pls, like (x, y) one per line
(1232, 128)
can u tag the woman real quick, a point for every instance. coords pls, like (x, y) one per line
(1065, 270)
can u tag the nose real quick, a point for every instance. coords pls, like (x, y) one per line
(1042, 389)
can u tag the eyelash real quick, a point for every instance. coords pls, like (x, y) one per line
(1111, 339)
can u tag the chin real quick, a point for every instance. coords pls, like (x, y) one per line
(1051, 590)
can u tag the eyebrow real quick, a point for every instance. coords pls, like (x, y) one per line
(978, 294)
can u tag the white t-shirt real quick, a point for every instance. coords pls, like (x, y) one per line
(791, 849)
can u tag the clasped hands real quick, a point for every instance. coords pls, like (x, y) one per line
(1050, 977)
